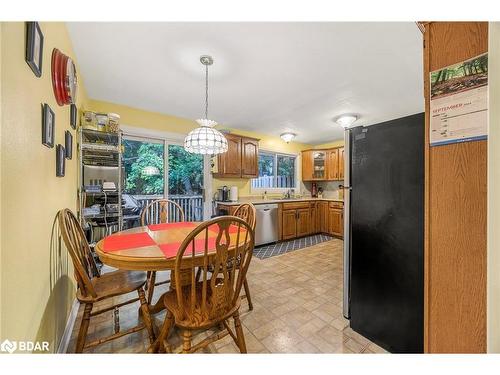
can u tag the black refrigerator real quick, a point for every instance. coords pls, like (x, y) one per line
(384, 233)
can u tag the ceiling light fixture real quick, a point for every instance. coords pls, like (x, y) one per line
(206, 139)
(346, 120)
(288, 136)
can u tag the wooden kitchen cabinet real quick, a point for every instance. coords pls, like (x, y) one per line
(307, 165)
(298, 219)
(295, 220)
(249, 157)
(241, 158)
(289, 224)
(341, 163)
(335, 219)
(314, 221)
(333, 164)
(303, 222)
(323, 165)
(323, 217)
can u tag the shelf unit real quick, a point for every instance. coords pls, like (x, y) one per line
(100, 160)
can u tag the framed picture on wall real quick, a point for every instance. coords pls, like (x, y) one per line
(73, 116)
(48, 125)
(60, 161)
(68, 144)
(34, 47)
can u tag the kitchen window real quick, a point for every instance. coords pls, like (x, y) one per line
(276, 171)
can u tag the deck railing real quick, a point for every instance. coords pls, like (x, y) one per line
(192, 205)
(273, 182)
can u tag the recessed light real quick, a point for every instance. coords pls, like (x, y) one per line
(346, 120)
(288, 136)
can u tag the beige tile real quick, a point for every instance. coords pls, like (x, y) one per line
(376, 349)
(268, 328)
(353, 345)
(283, 341)
(297, 301)
(339, 323)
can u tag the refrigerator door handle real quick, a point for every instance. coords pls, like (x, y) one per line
(347, 225)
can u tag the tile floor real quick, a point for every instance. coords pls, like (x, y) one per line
(297, 301)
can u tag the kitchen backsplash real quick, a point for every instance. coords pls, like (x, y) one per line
(330, 188)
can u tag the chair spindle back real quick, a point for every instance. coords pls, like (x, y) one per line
(158, 212)
(84, 264)
(217, 292)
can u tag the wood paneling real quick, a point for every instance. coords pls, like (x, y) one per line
(455, 217)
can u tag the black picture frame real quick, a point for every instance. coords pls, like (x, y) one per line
(73, 115)
(68, 144)
(34, 47)
(60, 161)
(48, 126)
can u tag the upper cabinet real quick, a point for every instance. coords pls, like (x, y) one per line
(319, 165)
(307, 165)
(249, 157)
(241, 158)
(323, 165)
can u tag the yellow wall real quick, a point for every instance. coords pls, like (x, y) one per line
(1, 126)
(166, 123)
(493, 286)
(37, 287)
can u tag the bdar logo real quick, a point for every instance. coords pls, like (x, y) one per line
(8, 346)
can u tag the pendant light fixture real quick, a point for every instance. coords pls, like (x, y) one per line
(206, 139)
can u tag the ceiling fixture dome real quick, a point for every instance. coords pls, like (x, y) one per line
(206, 139)
(346, 120)
(288, 136)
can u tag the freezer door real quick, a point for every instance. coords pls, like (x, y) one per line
(387, 209)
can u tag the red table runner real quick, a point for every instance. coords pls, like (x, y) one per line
(127, 241)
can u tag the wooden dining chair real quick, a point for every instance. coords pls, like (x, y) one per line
(212, 301)
(92, 289)
(247, 212)
(157, 212)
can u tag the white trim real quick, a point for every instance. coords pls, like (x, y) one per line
(68, 330)
(150, 133)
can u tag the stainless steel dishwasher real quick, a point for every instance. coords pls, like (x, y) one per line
(266, 228)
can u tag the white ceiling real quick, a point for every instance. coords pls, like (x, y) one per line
(267, 77)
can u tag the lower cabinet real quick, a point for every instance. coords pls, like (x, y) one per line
(323, 217)
(300, 219)
(289, 224)
(336, 222)
(303, 222)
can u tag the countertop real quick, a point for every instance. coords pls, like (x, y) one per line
(274, 200)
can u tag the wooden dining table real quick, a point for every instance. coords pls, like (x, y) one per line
(154, 248)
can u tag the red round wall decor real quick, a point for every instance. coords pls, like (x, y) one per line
(64, 81)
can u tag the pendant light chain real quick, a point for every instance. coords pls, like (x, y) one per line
(206, 91)
(205, 139)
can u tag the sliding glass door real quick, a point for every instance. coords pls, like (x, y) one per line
(158, 168)
(185, 181)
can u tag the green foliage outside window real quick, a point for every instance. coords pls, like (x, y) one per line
(185, 170)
